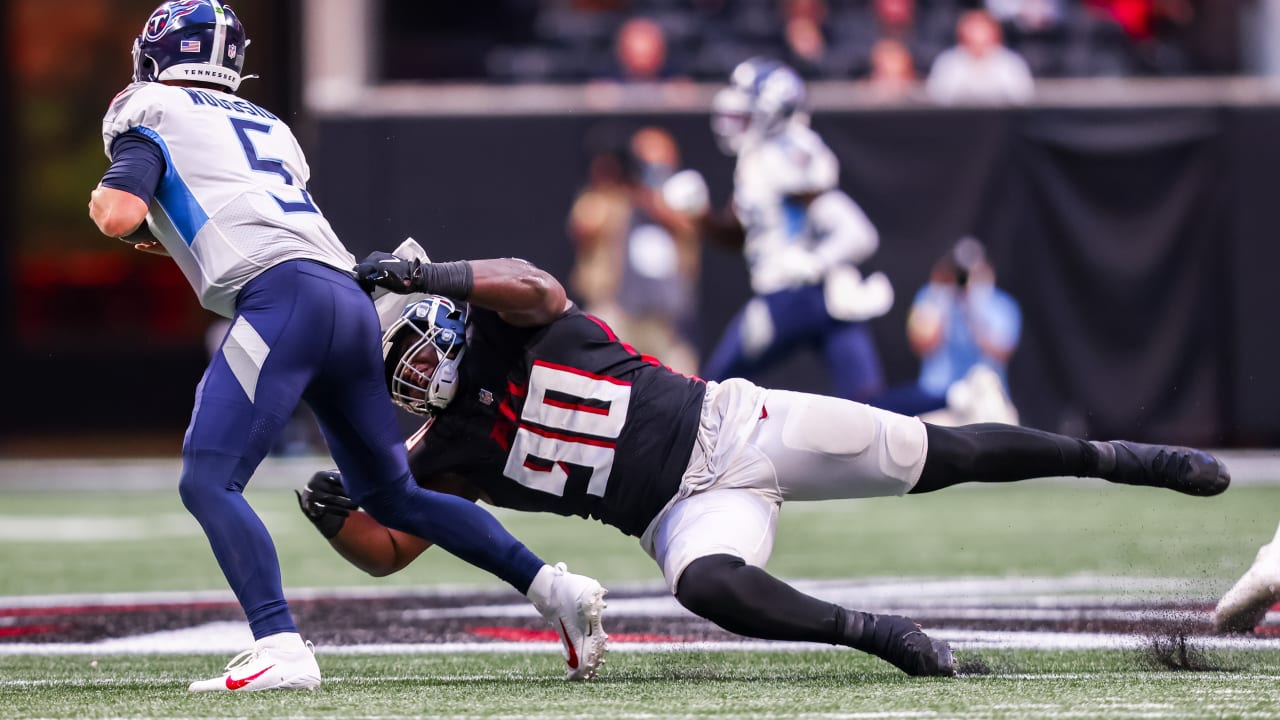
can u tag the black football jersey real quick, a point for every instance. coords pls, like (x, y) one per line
(564, 418)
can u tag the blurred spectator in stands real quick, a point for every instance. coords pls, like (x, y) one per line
(641, 50)
(857, 29)
(964, 329)
(644, 69)
(893, 72)
(638, 251)
(979, 68)
(802, 34)
(1037, 30)
(1179, 37)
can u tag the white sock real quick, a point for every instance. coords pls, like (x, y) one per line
(287, 641)
(540, 589)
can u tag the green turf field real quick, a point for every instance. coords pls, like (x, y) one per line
(143, 540)
(685, 684)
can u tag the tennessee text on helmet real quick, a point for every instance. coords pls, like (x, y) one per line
(192, 40)
(421, 351)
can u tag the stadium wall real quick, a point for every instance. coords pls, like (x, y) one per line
(1138, 240)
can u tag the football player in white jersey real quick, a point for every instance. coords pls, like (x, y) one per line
(802, 236)
(222, 184)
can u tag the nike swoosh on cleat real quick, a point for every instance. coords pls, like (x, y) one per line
(573, 652)
(233, 684)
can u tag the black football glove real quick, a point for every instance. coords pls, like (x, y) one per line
(388, 271)
(325, 503)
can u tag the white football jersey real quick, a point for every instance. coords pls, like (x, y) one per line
(233, 200)
(789, 243)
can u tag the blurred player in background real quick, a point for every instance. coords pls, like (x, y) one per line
(1245, 605)
(221, 183)
(964, 329)
(534, 405)
(637, 245)
(803, 239)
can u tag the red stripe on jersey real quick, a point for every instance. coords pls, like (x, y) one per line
(630, 349)
(608, 331)
(517, 390)
(575, 406)
(544, 432)
(538, 464)
(504, 427)
(581, 373)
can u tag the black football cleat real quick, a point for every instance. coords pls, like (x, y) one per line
(900, 641)
(1186, 470)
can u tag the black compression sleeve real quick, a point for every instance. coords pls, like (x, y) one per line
(451, 279)
(137, 164)
(745, 599)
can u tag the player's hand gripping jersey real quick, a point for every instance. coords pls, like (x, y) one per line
(565, 419)
(224, 222)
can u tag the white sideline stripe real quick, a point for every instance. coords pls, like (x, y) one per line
(95, 528)
(958, 592)
(1248, 467)
(229, 638)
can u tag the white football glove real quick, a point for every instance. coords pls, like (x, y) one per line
(686, 192)
(851, 297)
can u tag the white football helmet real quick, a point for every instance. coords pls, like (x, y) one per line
(421, 352)
(776, 93)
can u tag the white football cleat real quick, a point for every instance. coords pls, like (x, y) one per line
(276, 662)
(1244, 606)
(572, 604)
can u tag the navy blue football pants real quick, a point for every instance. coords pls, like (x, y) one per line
(799, 319)
(306, 331)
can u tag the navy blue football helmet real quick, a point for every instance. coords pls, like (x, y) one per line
(193, 40)
(421, 352)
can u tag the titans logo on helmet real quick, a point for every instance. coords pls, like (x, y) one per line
(165, 15)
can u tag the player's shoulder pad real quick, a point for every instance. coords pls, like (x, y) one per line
(140, 104)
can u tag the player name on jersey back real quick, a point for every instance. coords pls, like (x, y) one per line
(202, 97)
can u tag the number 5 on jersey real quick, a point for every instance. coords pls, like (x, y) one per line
(570, 417)
(269, 165)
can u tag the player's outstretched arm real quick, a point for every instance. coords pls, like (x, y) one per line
(522, 293)
(358, 538)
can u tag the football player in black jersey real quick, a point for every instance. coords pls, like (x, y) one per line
(533, 405)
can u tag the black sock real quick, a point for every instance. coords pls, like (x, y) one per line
(991, 452)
